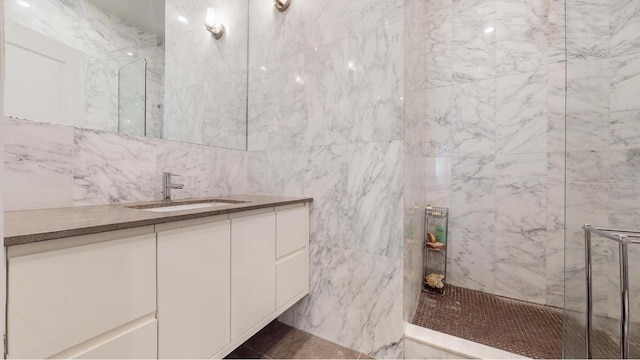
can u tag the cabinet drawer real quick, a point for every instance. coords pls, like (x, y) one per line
(292, 277)
(58, 299)
(138, 343)
(253, 272)
(291, 230)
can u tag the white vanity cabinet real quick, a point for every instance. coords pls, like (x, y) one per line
(81, 290)
(194, 288)
(194, 273)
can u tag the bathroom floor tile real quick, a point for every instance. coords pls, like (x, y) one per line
(280, 341)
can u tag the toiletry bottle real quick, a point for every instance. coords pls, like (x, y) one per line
(441, 233)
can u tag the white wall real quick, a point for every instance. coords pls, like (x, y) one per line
(485, 101)
(206, 79)
(326, 120)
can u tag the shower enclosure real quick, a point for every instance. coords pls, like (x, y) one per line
(602, 179)
(132, 98)
(523, 118)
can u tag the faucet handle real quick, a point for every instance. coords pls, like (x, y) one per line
(166, 173)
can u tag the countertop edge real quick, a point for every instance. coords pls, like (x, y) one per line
(89, 230)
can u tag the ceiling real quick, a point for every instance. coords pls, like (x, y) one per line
(147, 15)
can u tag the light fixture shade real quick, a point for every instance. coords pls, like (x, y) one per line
(281, 5)
(210, 20)
(216, 30)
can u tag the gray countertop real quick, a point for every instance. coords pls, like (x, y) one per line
(28, 226)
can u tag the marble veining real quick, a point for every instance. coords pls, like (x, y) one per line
(485, 114)
(37, 164)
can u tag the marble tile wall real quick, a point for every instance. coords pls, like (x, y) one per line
(106, 40)
(48, 165)
(206, 79)
(603, 147)
(485, 120)
(326, 120)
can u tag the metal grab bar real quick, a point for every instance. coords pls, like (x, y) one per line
(624, 238)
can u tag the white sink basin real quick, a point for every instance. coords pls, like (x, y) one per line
(186, 207)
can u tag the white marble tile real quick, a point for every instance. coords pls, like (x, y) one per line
(588, 105)
(472, 259)
(554, 255)
(276, 172)
(625, 129)
(473, 126)
(512, 168)
(224, 122)
(37, 165)
(555, 191)
(278, 110)
(274, 35)
(189, 161)
(375, 324)
(625, 27)
(521, 192)
(412, 261)
(556, 38)
(184, 113)
(415, 181)
(370, 14)
(415, 119)
(228, 171)
(520, 266)
(624, 210)
(440, 113)
(625, 81)
(228, 55)
(185, 38)
(439, 16)
(324, 311)
(556, 100)
(521, 206)
(112, 168)
(375, 62)
(521, 33)
(522, 113)
(587, 166)
(473, 202)
(326, 176)
(376, 198)
(473, 46)
(624, 165)
(415, 48)
(588, 29)
(585, 204)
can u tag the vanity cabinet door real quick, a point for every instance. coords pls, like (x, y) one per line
(58, 299)
(253, 272)
(194, 290)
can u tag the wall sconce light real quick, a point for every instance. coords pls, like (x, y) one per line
(216, 30)
(281, 5)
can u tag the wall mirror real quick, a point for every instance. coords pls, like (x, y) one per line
(137, 67)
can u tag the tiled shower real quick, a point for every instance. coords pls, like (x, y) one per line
(490, 130)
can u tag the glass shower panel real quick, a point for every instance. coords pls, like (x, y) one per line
(132, 98)
(602, 168)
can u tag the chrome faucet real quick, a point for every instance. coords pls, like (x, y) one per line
(167, 185)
